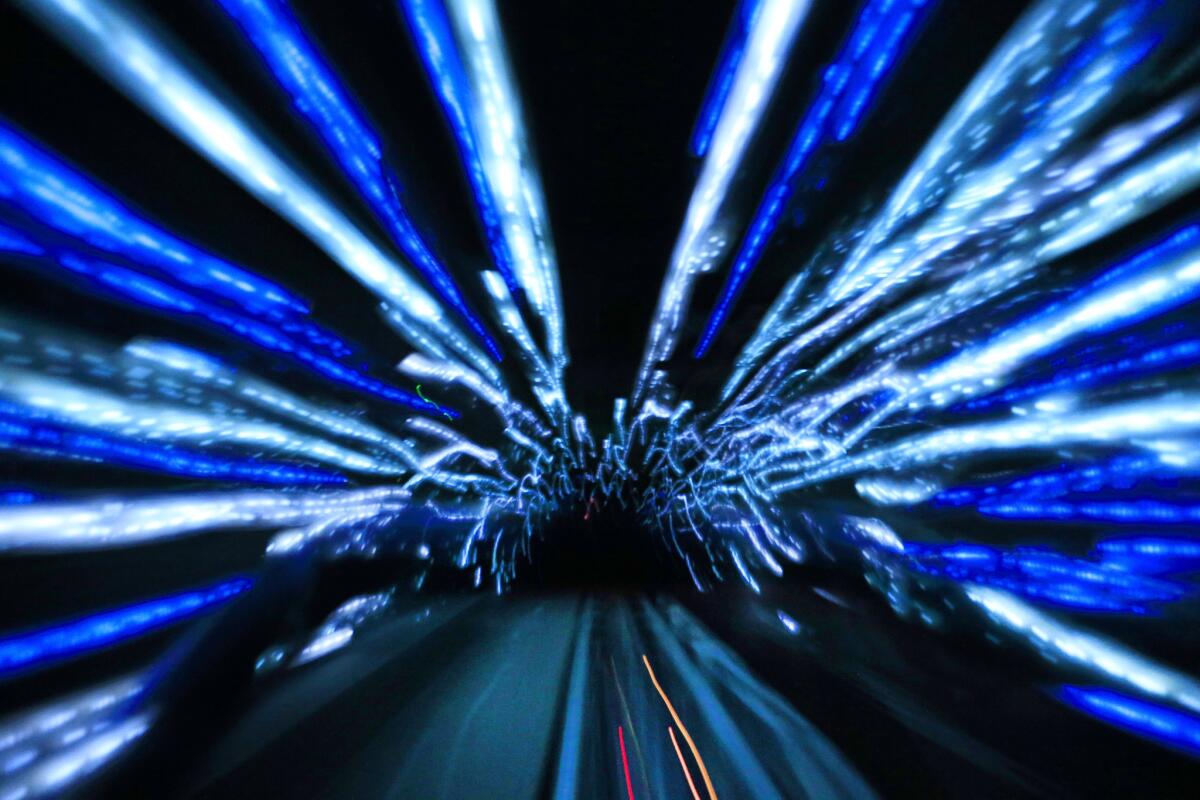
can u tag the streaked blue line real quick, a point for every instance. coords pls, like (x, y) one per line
(51, 645)
(35, 433)
(848, 87)
(318, 94)
(443, 63)
(723, 75)
(1166, 726)
(215, 292)
(52, 192)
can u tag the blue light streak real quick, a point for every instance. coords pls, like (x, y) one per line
(847, 88)
(461, 46)
(1046, 577)
(34, 433)
(17, 497)
(318, 94)
(1135, 490)
(435, 37)
(1151, 555)
(1162, 724)
(435, 40)
(148, 68)
(723, 75)
(703, 237)
(1132, 512)
(1172, 356)
(1124, 472)
(56, 643)
(147, 292)
(212, 291)
(44, 187)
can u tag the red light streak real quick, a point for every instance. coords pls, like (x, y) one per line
(625, 762)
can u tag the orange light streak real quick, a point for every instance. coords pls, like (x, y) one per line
(687, 737)
(687, 773)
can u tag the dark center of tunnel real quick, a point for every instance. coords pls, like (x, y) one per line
(597, 544)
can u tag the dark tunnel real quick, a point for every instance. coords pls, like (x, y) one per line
(519, 399)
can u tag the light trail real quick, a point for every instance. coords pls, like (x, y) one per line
(171, 276)
(33, 433)
(1008, 335)
(317, 93)
(64, 526)
(951, 207)
(872, 48)
(687, 737)
(728, 62)
(1110, 660)
(625, 762)
(64, 402)
(1161, 724)
(142, 65)
(687, 773)
(53, 644)
(462, 48)
(772, 29)
(49, 190)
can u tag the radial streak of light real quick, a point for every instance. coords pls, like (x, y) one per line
(1165, 725)
(318, 94)
(31, 432)
(975, 289)
(61, 641)
(546, 382)
(56, 773)
(625, 762)
(1036, 47)
(183, 280)
(89, 707)
(1058, 641)
(93, 408)
(687, 737)
(61, 198)
(141, 65)
(723, 75)
(114, 522)
(872, 48)
(1091, 70)
(700, 242)
(1159, 277)
(462, 47)
(687, 773)
(1115, 424)
(177, 376)
(206, 371)
(1148, 180)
